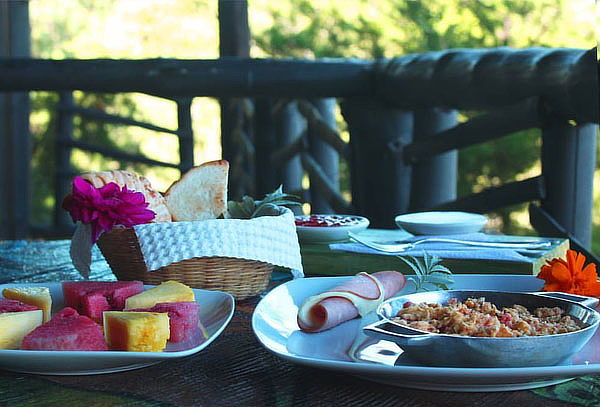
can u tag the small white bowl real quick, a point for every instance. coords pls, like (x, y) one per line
(441, 222)
(325, 234)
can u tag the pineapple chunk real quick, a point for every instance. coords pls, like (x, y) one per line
(169, 291)
(15, 325)
(136, 331)
(36, 296)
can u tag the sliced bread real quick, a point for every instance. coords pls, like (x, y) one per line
(200, 194)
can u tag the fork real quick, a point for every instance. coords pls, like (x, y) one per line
(401, 247)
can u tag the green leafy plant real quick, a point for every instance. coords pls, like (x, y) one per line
(270, 205)
(428, 273)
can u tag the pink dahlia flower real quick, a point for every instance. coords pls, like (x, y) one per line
(106, 207)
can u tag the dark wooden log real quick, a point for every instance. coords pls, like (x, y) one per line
(62, 154)
(567, 79)
(324, 125)
(323, 185)
(236, 129)
(116, 154)
(458, 79)
(546, 225)
(433, 178)
(116, 119)
(568, 163)
(185, 134)
(234, 31)
(321, 127)
(228, 76)
(498, 123)
(15, 137)
(490, 199)
(265, 143)
(381, 182)
(291, 134)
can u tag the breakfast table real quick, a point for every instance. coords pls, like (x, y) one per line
(233, 370)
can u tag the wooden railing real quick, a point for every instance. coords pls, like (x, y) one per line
(401, 115)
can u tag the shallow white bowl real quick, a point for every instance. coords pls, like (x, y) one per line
(317, 234)
(441, 222)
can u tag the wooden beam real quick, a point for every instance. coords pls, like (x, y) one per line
(321, 125)
(118, 155)
(380, 181)
(323, 184)
(291, 137)
(434, 178)
(568, 164)
(171, 78)
(185, 134)
(62, 156)
(15, 137)
(480, 129)
(547, 225)
(490, 199)
(114, 119)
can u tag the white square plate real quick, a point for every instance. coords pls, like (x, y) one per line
(216, 310)
(346, 349)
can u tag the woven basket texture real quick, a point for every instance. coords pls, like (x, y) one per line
(240, 277)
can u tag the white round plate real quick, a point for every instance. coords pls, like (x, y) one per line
(317, 234)
(216, 310)
(441, 222)
(346, 349)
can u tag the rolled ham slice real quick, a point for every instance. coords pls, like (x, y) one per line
(357, 296)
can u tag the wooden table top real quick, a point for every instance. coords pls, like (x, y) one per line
(234, 370)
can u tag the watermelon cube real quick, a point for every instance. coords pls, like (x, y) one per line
(67, 330)
(92, 298)
(183, 318)
(15, 306)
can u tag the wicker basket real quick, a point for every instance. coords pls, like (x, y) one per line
(239, 277)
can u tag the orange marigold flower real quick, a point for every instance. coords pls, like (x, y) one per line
(571, 276)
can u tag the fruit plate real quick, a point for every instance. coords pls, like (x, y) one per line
(333, 233)
(216, 310)
(346, 349)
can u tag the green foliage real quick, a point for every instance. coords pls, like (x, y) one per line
(270, 205)
(84, 129)
(429, 273)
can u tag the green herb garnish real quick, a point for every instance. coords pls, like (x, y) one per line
(428, 272)
(270, 205)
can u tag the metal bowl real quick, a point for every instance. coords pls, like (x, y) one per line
(467, 351)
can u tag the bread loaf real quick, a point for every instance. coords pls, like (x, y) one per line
(200, 194)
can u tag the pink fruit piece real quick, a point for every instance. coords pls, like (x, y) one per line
(92, 298)
(183, 318)
(15, 306)
(67, 330)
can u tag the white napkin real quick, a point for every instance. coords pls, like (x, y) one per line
(270, 239)
(450, 250)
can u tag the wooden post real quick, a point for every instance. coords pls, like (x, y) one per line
(15, 137)
(185, 134)
(380, 179)
(433, 179)
(64, 170)
(568, 163)
(325, 155)
(290, 125)
(234, 40)
(265, 144)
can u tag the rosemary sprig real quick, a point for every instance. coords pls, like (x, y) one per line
(428, 273)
